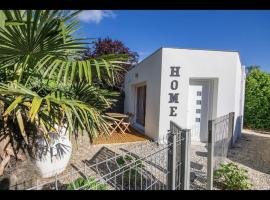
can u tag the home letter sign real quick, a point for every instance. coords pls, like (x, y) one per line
(173, 97)
(175, 72)
(172, 112)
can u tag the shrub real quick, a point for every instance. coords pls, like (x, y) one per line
(257, 100)
(90, 184)
(232, 177)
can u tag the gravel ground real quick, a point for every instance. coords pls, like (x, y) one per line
(25, 176)
(250, 152)
(198, 165)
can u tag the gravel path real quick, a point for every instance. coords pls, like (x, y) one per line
(252, 152)
(198, 165)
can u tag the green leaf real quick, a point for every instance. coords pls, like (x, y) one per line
(35, 107)
(80, 70)
(73, 70)
(66, 72)
(21, 125)
(97, 69)
(59, 77)
(89, 72)
(13, 105)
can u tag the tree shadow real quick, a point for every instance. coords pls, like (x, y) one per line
(124, 172)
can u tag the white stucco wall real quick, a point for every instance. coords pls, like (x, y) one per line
(149, 72)
(223, 67)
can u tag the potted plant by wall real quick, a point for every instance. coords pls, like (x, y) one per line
(45, 90)
(52, 157)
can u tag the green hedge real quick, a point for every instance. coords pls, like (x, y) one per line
(257, 100)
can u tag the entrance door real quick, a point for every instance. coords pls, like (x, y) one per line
(140, 107)
(195, 109)
(199, 109)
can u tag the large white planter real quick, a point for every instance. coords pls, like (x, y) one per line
(52, 159)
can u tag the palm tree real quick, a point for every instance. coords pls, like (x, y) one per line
(43, 85)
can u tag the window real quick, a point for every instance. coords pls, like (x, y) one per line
(198, 102)
(198, 110)
(198, 119)
(199, 93)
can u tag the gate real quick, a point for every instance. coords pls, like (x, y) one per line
(154, 165)
(179, 157)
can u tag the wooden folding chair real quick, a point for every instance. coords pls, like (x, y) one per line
(118, 124)
(126, 124)
(112, 127)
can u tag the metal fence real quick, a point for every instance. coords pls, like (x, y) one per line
(220, 139)
(179, 157)
(157, 165)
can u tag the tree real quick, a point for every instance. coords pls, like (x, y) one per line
(43, 85)
(107, 46)
(252, 67)
(257, 100)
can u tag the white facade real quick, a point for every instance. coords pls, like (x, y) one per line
(211, 84)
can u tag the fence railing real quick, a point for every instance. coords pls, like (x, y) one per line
(220, 139)
(179, 157)
(155, 165)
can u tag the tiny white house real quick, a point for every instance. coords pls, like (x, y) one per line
(187, 86)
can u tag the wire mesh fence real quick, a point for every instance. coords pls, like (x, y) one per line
(147, 166)
(180, 157)
(219, 141)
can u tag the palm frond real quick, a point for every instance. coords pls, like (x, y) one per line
(42, 81)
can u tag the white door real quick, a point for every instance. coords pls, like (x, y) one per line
(199, 110)
(195, 109)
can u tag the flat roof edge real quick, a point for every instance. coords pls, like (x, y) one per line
(194, 49)
(145, 58)
(200, 49)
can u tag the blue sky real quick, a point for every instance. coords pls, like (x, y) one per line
(145, 31)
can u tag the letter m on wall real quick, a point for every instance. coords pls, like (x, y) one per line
(173, 97)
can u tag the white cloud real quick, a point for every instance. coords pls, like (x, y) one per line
(95, 16)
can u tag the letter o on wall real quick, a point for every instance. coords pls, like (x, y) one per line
(174, 84)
